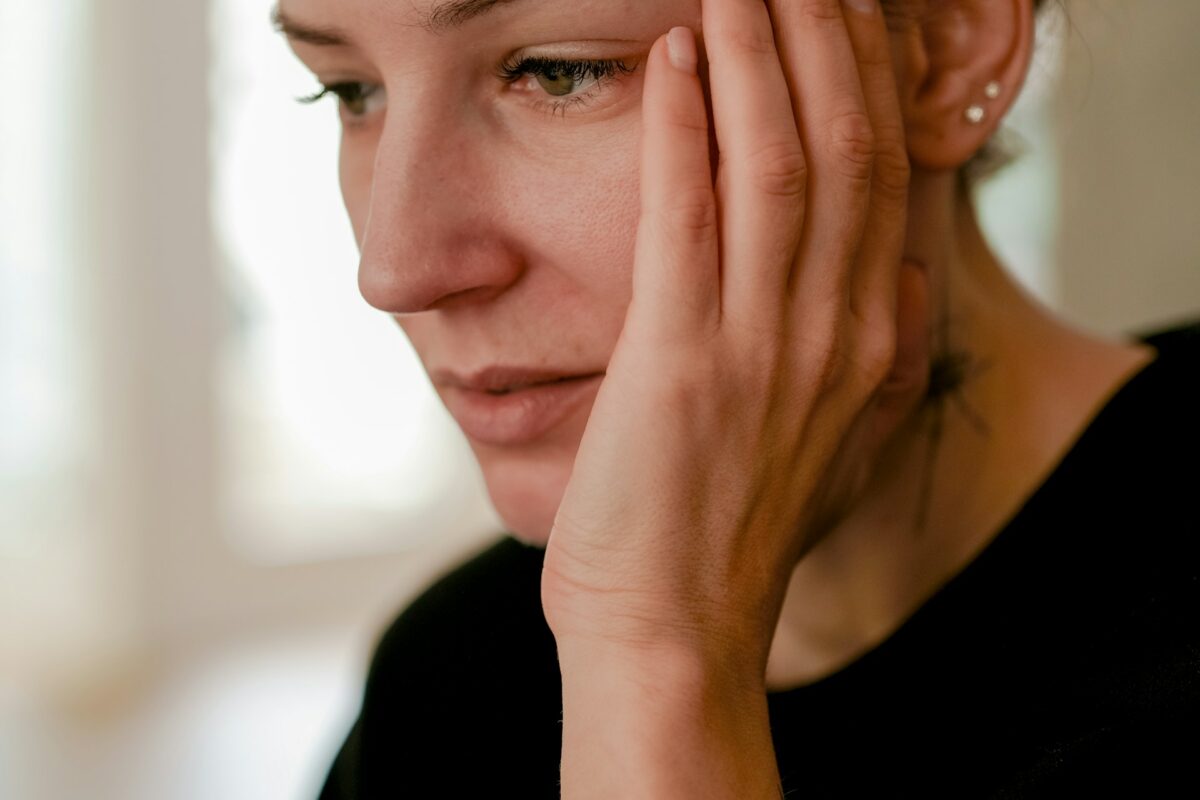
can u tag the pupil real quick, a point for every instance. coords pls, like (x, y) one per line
(557, 85)
(353, 99)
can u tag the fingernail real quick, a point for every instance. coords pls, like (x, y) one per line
(681, 49)
(864, 6)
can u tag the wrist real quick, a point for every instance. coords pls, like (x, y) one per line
(668, 671)
(664, 726)
(729, 635)
(708, 647)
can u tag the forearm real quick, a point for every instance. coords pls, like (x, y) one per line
(661, 728)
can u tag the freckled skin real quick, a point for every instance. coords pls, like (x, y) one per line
(495, 233)
(552, 258)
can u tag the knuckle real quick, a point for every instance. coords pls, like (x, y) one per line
(825, 360)
(852, 146)
(873, 59)
(877, 359)
(765, 346)
(745, 41)
(893, 171)
(831, 367)
(688, 122)
(694, 218)
(779, 169)
(821, 10)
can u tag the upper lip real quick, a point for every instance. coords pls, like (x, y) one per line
(501, 378)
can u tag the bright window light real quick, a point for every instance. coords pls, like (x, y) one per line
(335, 442)
(42, 425)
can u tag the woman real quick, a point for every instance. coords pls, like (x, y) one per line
(698, 299)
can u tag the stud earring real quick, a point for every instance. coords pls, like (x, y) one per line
(976, 113)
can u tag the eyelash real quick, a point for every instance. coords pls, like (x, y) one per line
(510, 71)
(346, 93)
(600, 70)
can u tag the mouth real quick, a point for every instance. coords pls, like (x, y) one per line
(500, 380)
(506, 390)
(505, 408)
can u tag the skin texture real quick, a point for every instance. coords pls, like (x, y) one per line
(732, 512)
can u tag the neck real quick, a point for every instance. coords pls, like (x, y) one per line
(960, 466)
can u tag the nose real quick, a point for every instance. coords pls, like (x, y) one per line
(432, 237)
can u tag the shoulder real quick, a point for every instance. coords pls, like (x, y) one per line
(1168, 389)
(1157, 432)
(1126, 493)
(1140, 456)
(1169, 381)
(465, 673)
(1182, 336)
(1133, 571)
(488, 601)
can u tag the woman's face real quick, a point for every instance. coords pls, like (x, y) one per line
(495, 211)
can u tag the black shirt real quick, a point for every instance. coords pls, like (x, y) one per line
(1063, 661)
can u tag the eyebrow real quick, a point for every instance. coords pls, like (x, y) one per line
(444, 17)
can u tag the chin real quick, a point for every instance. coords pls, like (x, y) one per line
(526, 490)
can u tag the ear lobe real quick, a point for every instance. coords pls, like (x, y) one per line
(964, 46)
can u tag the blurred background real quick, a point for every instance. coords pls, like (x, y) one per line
(221, 472)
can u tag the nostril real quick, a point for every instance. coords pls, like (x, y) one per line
(399, 293)
(474, 294)
(432, 265)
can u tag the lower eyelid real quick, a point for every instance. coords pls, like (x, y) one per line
(370, 94)
(601, 86)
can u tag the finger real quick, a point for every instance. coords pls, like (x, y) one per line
(761, 171)
(875, 425)
(873, 282)
(908, 381)
(828, 102)
(676, 288)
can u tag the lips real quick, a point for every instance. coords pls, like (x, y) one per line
(504, 406)
(501, 379)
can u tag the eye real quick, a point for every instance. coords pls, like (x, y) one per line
(570, 82)
(353, 98)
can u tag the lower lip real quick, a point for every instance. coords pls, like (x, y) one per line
(521, 416)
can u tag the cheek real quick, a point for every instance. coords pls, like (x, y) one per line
(577, 211)
(565, 204)
(575, 221)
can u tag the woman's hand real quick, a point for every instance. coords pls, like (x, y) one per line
(749, 393)
(746, 399)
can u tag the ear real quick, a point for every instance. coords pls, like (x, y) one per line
(959, 47)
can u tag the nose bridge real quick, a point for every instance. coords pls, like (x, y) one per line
(426, 239)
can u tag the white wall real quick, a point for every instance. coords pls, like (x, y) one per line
(1129, 153)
